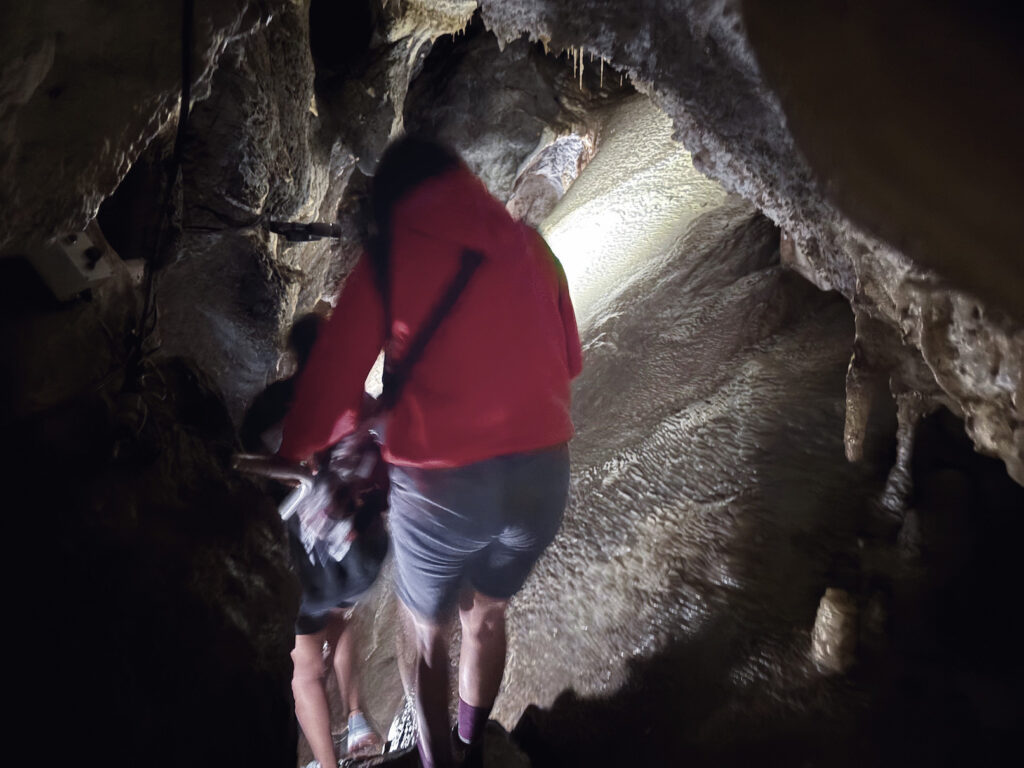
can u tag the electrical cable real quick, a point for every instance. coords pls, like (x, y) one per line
(291, 231)
(148, 317)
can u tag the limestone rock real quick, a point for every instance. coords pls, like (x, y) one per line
(834, 638)
(547, 177)
(252, 155)
(250, 149)
(84, 88)
(925, 159)
(225, 306)
(368, 103)
(491, 105)
(733, 74)
(709, 492)
(53, 352)
(173, 567)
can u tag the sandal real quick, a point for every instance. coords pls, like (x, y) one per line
(363, 741)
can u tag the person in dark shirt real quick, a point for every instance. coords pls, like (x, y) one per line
(329, 590)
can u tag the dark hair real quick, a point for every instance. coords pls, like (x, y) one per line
(303, 335)
(406, 163)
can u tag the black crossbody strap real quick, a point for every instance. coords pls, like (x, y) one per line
(397, 374)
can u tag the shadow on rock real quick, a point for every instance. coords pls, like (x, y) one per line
(685, 706)
(154, 579)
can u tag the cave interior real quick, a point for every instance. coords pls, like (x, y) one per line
(793, 236)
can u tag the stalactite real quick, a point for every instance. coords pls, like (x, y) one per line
(859, 392)
(910, 409)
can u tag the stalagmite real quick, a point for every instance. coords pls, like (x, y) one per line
(834, 638)
(602, 71)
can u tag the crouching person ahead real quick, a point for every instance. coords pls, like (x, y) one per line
(330, 587)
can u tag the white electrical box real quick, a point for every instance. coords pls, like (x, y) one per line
(72, 264)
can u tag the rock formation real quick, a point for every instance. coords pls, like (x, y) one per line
(881, 141)
(718, 69)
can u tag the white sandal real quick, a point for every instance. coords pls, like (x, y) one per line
(362, 741)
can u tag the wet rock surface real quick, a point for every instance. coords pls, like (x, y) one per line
(499, 104)
(834, 637)
(251, 156)
(153, 578)
(84, 89)
(677, 618)
(702, 63)
(707, 500)
(547, 178)
(943, 127)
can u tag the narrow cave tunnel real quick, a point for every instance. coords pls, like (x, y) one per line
(798, 469)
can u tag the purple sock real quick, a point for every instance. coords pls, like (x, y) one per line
(472, 721)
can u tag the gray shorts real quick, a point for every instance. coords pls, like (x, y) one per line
(484, 524)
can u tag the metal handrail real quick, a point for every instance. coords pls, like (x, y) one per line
(277, 468)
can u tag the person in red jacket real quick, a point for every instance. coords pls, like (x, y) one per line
(477, 441)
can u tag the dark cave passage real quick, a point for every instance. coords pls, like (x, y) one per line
(339, 35)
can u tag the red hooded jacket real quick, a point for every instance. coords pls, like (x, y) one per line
(493, 379)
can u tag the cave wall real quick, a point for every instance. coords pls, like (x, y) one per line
(735, 77)
(498, 105)
(254, 152)
(710, 508)
(881, 101)
(158, 582)
(289, 134)
(725, 582)
(85, 88)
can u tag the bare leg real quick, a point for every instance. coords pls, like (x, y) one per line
(346, 669)
(310, 698)
(482, 657)
(344, 647)
(405, 647)
(432, 686)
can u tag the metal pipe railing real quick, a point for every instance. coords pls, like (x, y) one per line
(277, 468)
